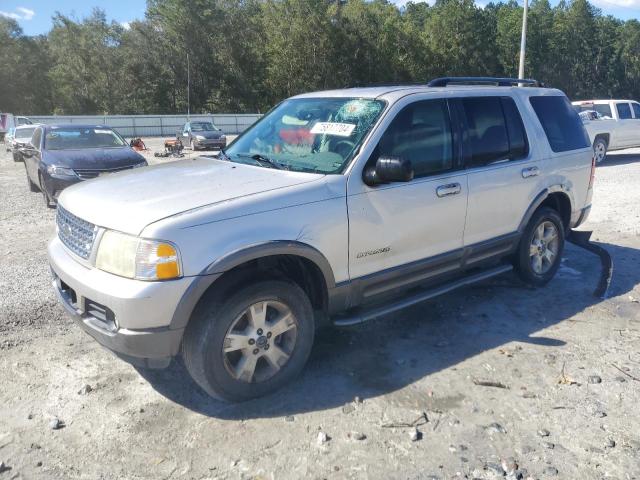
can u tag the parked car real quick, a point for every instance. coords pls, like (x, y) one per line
(8, 120)
(616, 127)
(60, 155)
(335, 207)
(21, 139)
(201, 135)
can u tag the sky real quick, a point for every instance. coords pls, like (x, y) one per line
(34, 16)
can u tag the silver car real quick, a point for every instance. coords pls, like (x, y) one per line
(334, 208)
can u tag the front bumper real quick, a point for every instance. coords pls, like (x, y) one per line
(55, 185)
(130, 317)
(210, 143)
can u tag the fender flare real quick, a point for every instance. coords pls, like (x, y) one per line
(537, 201)
(216, 269)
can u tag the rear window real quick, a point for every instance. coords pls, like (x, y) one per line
(624, 111)
(636, 109)
(560, 122)
(24, 132)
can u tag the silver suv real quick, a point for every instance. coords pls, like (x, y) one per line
(334, 208)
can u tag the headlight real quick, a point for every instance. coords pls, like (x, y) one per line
(138, 258)
(60, 171)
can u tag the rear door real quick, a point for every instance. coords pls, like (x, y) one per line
(626, 124)
(32, 156)
(503, 170)
(635, 140)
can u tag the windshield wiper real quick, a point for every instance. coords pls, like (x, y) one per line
(261, 159)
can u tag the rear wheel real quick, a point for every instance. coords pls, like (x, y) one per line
(600, 150)
(252, 343)
(541, 247)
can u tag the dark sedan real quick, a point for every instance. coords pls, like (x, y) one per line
(61, 155)
(202, 135)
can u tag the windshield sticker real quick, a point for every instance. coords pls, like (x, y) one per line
(333, 128)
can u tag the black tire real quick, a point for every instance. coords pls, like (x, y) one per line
(17, 157)
(203, 342)
(524, 259)
(32, 186)
(600, 150)
(45, 195)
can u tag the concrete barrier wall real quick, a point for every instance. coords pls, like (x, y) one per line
(154, 125)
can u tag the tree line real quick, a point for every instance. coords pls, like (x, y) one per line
(246, 55)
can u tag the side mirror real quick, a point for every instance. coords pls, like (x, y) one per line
(387, 170)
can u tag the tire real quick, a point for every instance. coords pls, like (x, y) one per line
(600, 150)
(32, 186)
(17, 157)
(45, 195)
(221, 374)
(535, 263)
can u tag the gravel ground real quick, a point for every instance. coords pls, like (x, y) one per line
(401, 397)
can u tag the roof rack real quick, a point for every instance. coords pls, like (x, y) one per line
(498, 81)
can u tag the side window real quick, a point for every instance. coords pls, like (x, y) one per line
(421, 133)
(636, 109)
(624, 111)
(37, 138)
(518, 143)
(486, 128)
(560, 122)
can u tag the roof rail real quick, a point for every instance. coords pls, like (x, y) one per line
(498, 81)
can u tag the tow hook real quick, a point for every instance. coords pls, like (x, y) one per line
(583, 239)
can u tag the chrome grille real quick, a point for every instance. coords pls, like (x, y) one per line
(76, 234)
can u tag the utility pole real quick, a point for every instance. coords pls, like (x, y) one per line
(523, 40)
(189, 90)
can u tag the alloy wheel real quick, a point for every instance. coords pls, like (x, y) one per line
(544, 247)
(260, 341)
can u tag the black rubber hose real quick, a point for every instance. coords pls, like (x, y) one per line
(582, 239)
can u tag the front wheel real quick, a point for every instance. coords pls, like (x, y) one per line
(541, 247)
(600, 150)
(252, 343)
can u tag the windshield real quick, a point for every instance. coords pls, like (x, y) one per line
(203, 127)
(308, 134)
(70, 138)
(24, 132)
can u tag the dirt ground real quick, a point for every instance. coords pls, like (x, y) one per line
(569, 362)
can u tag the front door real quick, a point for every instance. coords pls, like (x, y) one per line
(396, 229)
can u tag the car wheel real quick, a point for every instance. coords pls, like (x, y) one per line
(600, 150)
(16, 157)
(45, 195)
(252, 343)
(32, 186)
(541, 247)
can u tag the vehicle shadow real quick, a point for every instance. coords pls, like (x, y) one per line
(392, 352)
(614, 159)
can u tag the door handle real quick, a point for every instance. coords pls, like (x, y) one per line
(530, 172)
(448, 189)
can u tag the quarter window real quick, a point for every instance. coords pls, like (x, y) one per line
(487, 130)
(624, 111)
(636, 110)
(421, 133)
(560, 122)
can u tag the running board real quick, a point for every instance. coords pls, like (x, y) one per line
(366, 315)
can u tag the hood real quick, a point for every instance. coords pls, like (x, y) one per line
(212, 134)
(93, 158)
(129, 201)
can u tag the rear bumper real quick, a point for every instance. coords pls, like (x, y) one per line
(130, 317)
(212, 143)
(580, 216)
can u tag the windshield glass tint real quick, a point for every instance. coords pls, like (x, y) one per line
(202, 127)
(24, 132)
(78, 138)
(309, 134)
